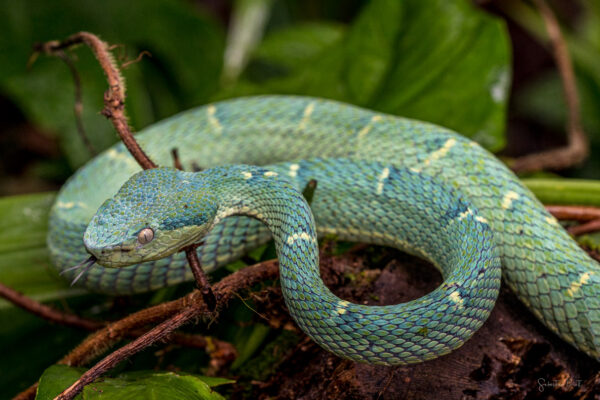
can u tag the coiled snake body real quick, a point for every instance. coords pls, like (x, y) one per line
(381, 179)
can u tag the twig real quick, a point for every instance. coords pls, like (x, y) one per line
(577, 148)
(192, 256)
(575, 213)
(589, 215)
(50, 314)
(46, 312)
(97, 343)
(137, 59)
(78, 106)
(201, 279)
(185, 309)
(176, 161)
(114, 97)
(588, 227)
(158, 333)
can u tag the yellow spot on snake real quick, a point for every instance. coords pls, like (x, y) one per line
(341, 311)
(481, 219)
(306, 117)
(68, 204)
(455, 297)
(344, 303)
(247, 175)
(508, 199)
(119, 155)
(367, 128)
(583, 279)
(436, 155)
(71, 204)
(552, 221)
(270, 173)
(464, 214)
(299, 236)
(212, 119)
(294, 170)
(384, 175)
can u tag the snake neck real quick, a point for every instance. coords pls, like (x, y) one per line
(263, 195)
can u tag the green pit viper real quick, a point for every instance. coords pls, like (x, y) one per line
(380, 179)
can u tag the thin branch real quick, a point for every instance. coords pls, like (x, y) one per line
(588, 227)
(160, 332)
(114, 97)
(67, 319)
(574, 213)
(577, 148)
(183, 309)
(176, 161)
(137, 59)
(201, 279)
(589, 215)
(97, 343)
(46, 312)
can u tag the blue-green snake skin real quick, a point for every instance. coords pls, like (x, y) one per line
(381, 179)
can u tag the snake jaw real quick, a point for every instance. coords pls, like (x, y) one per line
(109, 256)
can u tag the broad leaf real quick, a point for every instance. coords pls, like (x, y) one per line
(439, 61)
(132, 385)
(24, 262)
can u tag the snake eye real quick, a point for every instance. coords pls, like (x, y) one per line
(145, 236)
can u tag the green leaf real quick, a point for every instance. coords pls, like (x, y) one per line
(132, 385)
(185, 44)
(289, 48)
(439, 61)
(24, 262)
(57, 378)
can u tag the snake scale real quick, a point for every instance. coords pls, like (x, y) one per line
(381, 179)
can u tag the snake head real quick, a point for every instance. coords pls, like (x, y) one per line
(156, 213)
